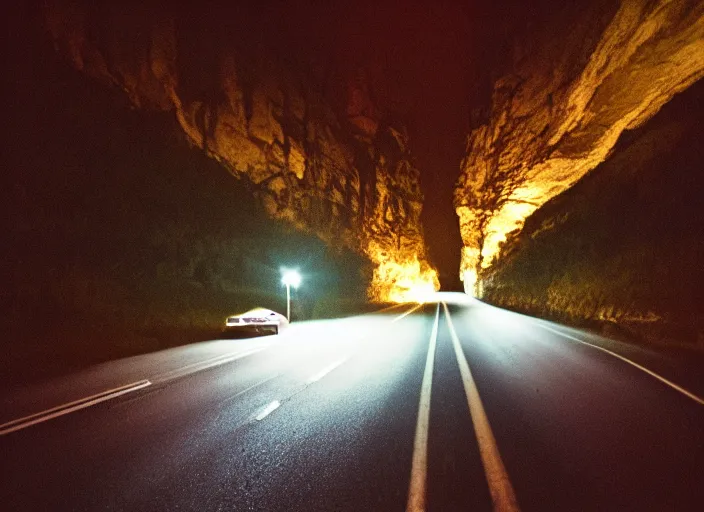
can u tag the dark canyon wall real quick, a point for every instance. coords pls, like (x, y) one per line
(122, 236)
(625, 245)
(578, 75)
(313, 147)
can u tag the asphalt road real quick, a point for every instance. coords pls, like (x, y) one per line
(457, 407)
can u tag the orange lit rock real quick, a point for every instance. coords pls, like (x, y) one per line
(323, 171)
(564, 106)
(360, 110)
(622, 248)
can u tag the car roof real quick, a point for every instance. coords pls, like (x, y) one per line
(258, 312)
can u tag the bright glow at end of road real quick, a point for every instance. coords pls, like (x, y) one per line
(401, 280)
(456, 298)
(421, 293)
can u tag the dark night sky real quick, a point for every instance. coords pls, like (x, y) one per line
(434, 62)
(424, 53)
(428, 62)
(422, 58)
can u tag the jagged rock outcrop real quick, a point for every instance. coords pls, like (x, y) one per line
(622, 249)
(346, 176)
(562, 108)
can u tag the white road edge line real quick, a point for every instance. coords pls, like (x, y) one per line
(70, 407)
(268, 410)
(407, 313)
(649, 372)
(502, 494)
(419, 467)
(322, 373)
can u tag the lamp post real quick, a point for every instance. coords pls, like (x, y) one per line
(290, 278)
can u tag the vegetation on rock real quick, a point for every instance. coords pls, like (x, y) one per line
(624, 247)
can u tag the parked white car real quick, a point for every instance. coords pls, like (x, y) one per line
(260, 320)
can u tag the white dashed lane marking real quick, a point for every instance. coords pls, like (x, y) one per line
(626, 360)
(266, 411)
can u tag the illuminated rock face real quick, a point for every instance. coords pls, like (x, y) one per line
(622, 249)
(564, 106)
(345, 175)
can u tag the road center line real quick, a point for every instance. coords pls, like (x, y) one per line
(70, 407)
(268, 410)
(322, 373)
(642, 368)
(414, 308)
(419, 468)
(502, 494)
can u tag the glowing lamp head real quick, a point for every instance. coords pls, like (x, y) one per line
(291, 278)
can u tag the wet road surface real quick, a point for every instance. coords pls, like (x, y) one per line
(452, 406)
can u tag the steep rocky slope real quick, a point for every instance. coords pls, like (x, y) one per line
(335, 166)
(592, 70)
(119, 238)
(624, 247)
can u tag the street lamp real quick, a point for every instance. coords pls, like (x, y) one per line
(290, 278)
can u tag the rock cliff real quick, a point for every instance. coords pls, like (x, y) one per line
(593, 71)
(333, 166)
(622, 249)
